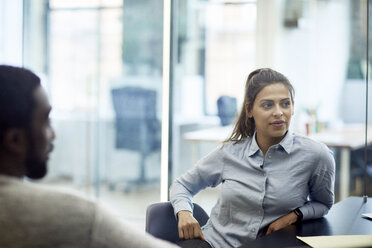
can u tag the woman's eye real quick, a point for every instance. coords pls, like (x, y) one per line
(286, 104)
(266, 105)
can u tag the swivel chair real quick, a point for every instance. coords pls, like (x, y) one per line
(137, 127)
(357, 168)
(162, 223)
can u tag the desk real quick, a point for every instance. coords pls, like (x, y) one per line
(344, 218)
(346, 138)
(215, 135)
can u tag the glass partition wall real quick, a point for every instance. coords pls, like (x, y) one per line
(319, 45)
(101, 63)
(367, 180)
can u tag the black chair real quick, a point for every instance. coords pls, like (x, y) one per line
(161, 221)
(137, 126)
(357, 167)
(227, 108)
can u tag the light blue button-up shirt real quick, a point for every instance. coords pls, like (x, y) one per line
(297, 172)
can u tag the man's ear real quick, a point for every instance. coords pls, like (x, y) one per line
(15, 140)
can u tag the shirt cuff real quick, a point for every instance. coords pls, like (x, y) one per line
(313, 210)
(181, 207)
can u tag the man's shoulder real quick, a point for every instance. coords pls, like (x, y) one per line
(38, 215)
(41, 198)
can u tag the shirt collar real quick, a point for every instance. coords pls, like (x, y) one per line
(253, 148)
(286, 143)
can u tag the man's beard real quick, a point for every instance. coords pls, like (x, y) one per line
(35, 168)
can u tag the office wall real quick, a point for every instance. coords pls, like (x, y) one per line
(313, 54)
(11, 32)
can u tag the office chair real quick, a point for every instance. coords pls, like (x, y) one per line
(137, 127)
(227, 108)
(161, 221)
(357, 167)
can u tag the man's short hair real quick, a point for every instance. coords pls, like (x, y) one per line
(16, 97)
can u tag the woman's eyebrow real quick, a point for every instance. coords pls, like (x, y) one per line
(285, 99)
(266, 100)
(271, 100)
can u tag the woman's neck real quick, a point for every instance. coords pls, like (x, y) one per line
(264, 143)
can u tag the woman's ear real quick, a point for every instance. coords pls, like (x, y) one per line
(15, 140)
(247, 111)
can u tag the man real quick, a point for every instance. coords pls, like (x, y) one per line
(32, 215)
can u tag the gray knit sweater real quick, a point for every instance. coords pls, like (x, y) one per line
(35, 216)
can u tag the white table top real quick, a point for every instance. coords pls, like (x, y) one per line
(215, 134)
(351, 137)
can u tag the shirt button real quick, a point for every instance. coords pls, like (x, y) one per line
(264, 174)
(253, 230)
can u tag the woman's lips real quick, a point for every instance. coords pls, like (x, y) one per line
(277, 123)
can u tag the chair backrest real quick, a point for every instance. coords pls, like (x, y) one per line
(357, 161)
(227, 109)
(134, 102)
(161, 222)
(136, 123)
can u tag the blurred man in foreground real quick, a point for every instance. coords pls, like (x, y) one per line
(32, 215)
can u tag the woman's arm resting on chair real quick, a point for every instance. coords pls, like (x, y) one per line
(188, 226)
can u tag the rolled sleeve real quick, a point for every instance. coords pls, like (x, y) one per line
(206, 173)
(321, 195)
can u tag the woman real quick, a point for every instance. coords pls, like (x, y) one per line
(270, 177)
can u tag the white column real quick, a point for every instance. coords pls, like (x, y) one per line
(266, 32)
(11, 32)
(345, 173)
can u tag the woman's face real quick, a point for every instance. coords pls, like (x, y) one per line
(272, 111)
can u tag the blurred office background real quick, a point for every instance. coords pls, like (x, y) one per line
(101, 63)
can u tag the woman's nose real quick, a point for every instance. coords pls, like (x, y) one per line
(278, 111)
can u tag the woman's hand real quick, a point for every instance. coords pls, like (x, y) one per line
(282, 222)
(188, 226)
